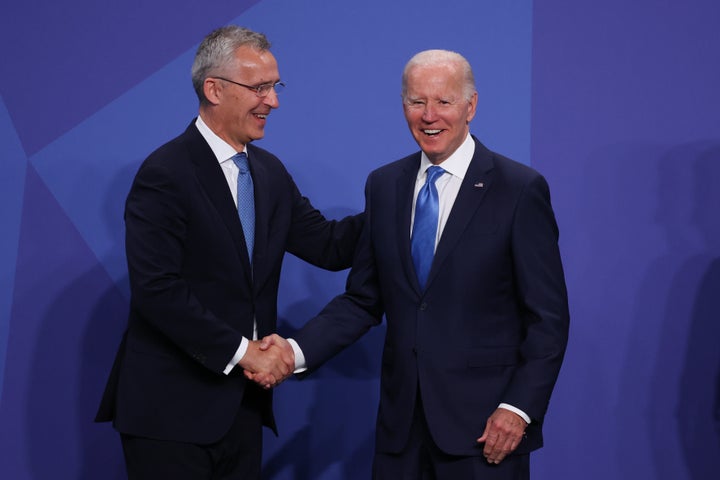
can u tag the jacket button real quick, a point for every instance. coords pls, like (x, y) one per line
(423, 306)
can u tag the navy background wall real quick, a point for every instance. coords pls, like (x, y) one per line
(616, 102)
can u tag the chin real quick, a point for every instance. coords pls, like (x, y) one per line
(432, 150)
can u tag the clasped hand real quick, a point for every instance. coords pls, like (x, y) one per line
(503, 432)
(268, 361)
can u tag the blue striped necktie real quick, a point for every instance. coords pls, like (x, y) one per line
(245, 200)
(425, 225)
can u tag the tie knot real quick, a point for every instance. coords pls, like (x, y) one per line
(433, 173)
(240, 159)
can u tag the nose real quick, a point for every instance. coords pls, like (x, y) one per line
(272, 99)
(428, 114)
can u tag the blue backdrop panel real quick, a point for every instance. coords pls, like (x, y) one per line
(626, 126)
(66, 316)
(12, 182)
(91, 182)
(100, 90)
(63, 60)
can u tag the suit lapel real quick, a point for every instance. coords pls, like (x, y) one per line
(405, 189)
(262, 183)
(477, 181)
(210, 175)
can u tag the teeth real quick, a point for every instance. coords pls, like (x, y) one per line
(432, 132)
(260, 116)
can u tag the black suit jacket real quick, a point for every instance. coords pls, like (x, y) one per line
(193, 293)
(491, 324)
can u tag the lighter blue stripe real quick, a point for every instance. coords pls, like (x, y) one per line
(12, 186)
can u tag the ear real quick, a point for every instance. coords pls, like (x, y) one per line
(212, 90)
(473, 107)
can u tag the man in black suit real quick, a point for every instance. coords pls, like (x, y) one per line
(459, 251)
(208, 219)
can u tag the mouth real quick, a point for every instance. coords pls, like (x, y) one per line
(431, 133)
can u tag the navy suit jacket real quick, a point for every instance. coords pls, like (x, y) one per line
(491, 324)
(193, 292)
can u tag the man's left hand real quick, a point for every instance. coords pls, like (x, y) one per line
(502, 434)
(277, 346)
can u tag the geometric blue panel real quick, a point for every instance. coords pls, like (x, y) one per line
(12, 182)
(66, 323)
(89, 169)
(90, 53)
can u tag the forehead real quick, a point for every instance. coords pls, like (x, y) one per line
(434, 79)
(251, 61)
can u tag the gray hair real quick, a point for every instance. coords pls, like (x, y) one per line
(217, 50)
(441, 57)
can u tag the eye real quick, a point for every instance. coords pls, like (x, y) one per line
(264, 89)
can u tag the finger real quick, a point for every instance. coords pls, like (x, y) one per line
(283, 363)
(280, 371)
(515, 441)
(484, 436)
(502, 449)
(490, 442)
(265, 380)
(269, 381)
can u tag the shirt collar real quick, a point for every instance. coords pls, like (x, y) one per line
(457, 163)
(222, 150)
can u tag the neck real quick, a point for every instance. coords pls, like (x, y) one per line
(216, 125)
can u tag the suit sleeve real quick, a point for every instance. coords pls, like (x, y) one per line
(350, 315)
(543, 300)
(156, 229)
(328, 244)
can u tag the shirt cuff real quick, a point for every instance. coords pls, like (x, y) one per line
(239, 353)
(300, 365)
(516, 410)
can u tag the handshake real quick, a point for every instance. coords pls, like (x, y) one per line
(269, 361)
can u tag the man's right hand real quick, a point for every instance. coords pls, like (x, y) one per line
(270, 363)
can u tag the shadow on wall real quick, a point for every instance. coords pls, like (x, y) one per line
(670, 376)
(76, 341)
(698, 403)
(649, 255)
(83, 328)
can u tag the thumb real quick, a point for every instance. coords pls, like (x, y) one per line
(484, 436)
(266, 343)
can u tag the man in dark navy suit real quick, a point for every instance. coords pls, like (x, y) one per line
(208, 219)
(459, 251)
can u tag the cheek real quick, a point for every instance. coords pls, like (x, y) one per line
(413, 117)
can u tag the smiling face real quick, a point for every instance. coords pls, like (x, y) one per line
(437, 108)
(235, 113)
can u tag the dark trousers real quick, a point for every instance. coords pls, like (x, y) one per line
(236, 456)
(421, 459)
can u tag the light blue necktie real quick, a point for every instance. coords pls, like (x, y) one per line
(425, 225)
(245, 200)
